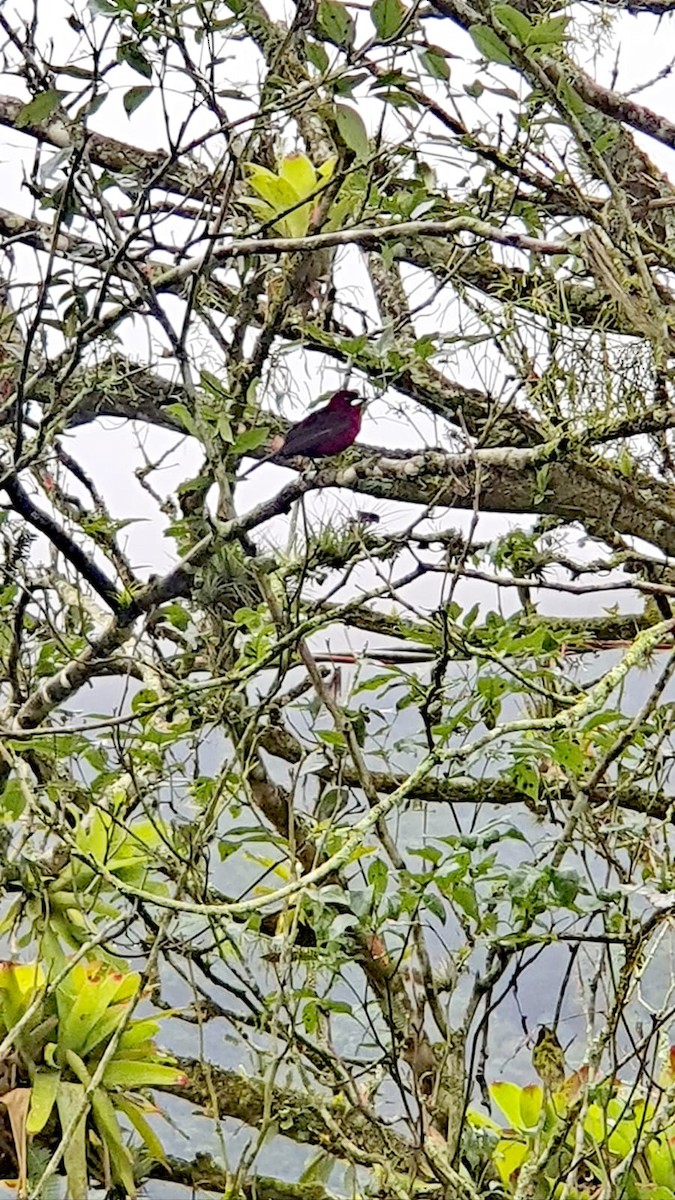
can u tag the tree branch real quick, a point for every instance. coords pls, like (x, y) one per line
(87, 568)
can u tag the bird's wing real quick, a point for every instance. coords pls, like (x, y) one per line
(312, 434)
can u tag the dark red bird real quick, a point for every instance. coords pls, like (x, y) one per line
(328, 431)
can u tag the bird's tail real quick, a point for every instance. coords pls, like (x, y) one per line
(267, 458)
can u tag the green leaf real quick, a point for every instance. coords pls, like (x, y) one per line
(310, 1017)
(509, 1156)
(471, 617)
(387, 16)
(376, 682)
(19, 983)
(595, 1123)
(319, 1169)
(143, 1128)
(91, 107)
(435, 905)
(378, 876)
(515, 22)
(602, 144)
(298, 170)
(225, 429)
(428, 853)
(78, 1067)
(570, 98)
(569, 754)
(474, 90)
(335, 23)
(93, 836)
(111, 1134)
(133, 56)
(515, 1106)
(317, 56)
(43, 1096)
(340, 213)
(93, 1000)
(176, 615)
(352, 130)
(549, 33)
(39, 109)
(212, 384)
(12, 801)
(661, 1162)
(565, 886)
(531, 1100)
(398, 99)
(143, 1030)
(435, 63)
(490, 45)
(143, 698)
(465, 895)
(105, 1027)
(527, 778)
(127, 1073)
(281, 197)
(598, 720)
(183, 417)
(331, 737)
(263, 211)
(250, 439)
(346, 84)
(506, 1096)
(70, 1099)
(134, 98)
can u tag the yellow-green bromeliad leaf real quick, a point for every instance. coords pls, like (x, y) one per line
(42, 1100)
(70, 1100)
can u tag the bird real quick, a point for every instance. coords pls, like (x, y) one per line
(323, 433)
(548, 1059)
